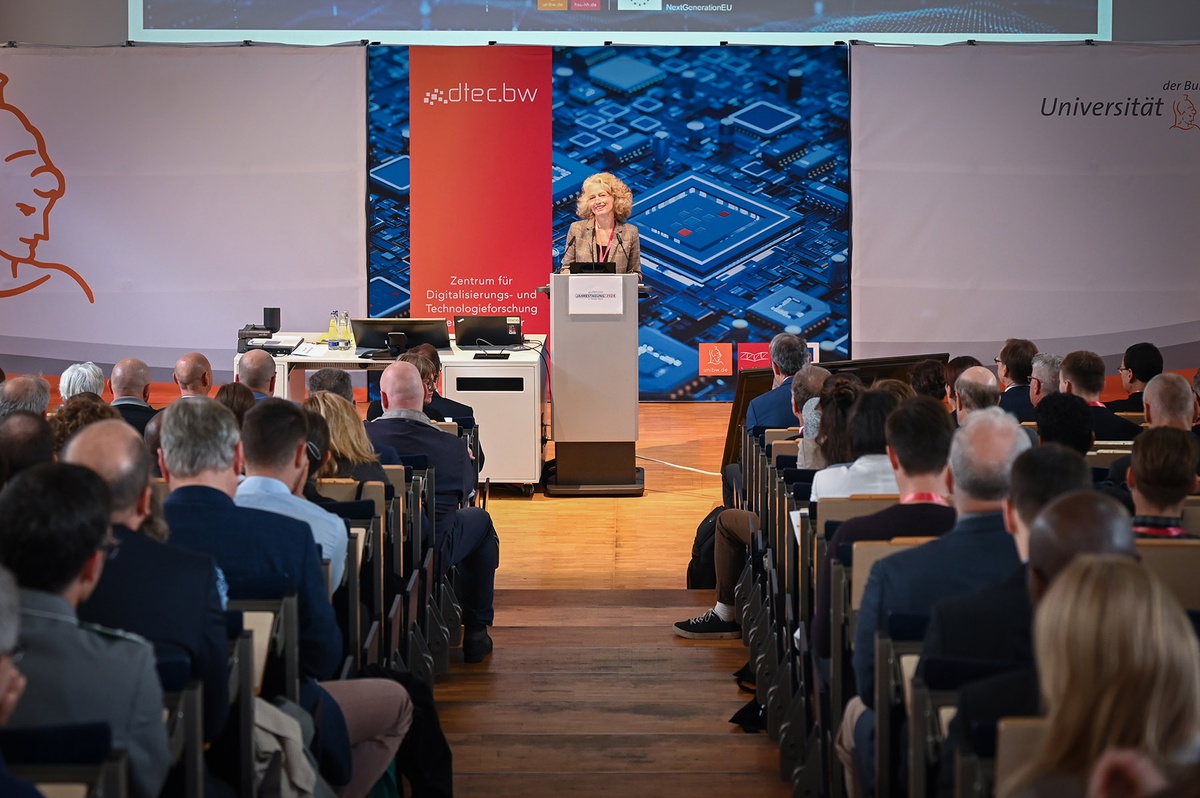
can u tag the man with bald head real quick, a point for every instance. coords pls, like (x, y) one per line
(130, 381)
(1167, 401)
(193, 374)
(1080, 521)
(26, 439)
(24, 392)
(975, 389)
(167, 595)
(256, 370)
(464, 536)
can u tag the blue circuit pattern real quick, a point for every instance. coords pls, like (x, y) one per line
(738, 158)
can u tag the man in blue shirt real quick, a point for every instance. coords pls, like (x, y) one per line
(274, 439)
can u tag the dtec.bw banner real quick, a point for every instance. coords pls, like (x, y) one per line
(480, 146)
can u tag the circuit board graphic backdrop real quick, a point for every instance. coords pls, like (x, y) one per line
(738, 160)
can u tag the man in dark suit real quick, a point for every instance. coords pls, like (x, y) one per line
(1141, 363)
(789, 354)
(265, 553)
(256, 370)
(1083, 375)
(130, 382)
(1077, 522)
(165, 594)
(1168, 401)
(976, 553)
(1014, 367)
(464, 536)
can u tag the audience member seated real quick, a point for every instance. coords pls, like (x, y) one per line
(806, 385)
(54, 537)
(275, 445)
(975, 389)
(734, 526)
(3, 376)
(152, 436)
(1161, 477)
(1141, 363)
(1120, 666)
(1064, 418)
(464, 536)
(1082, 374)
(1168, 401)
(789, 354)
(353, 456)
(130, 381)
(1077, 522)
(256, 370)
(238, 398)
(871, 471)
(975, 553)
(80, 378)
(167, 595)
(1044, 379)
(24, 392)
(1014, 367)
(438, 406)
(201, 457)
(12, 681)
(76, 413)
(918, 446)
(831, 444)
(954, 369)
(928, 378)
(333, 380)
(193, 374)
(425, 367)
(26, 439)
(898, 389)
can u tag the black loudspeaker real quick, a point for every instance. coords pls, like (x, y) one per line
(397, 342)
(271, 319)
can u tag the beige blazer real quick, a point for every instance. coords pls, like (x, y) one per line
(626, 250)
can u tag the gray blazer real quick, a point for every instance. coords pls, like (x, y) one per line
(80, 672)
(626, 250)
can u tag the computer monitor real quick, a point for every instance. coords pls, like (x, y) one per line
(372, 333)
(590, 267)
(482, 332)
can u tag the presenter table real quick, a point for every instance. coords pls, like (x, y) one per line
(508, 396)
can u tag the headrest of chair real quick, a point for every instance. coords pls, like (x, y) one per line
(951, 673)
(174, 671)
(907, 626)
(81, 743)
(269, 586)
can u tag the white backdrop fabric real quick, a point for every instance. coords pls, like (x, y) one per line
(201, 184)
(983, 211)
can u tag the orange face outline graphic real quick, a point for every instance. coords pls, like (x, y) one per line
(30, 185)
(1185, 114)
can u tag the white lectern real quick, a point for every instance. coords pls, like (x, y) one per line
(594, 385)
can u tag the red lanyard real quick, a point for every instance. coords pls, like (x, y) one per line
(604, 252)
(924, 498)
(1160, 531)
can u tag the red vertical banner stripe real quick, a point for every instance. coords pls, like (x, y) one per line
(481, 175)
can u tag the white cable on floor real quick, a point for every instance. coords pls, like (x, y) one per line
(681, 467)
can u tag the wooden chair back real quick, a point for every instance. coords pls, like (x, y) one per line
(1176, 563)
(1017, 742)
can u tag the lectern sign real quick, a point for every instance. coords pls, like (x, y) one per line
(595, 295)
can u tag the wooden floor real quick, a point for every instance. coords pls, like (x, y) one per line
(588, 692)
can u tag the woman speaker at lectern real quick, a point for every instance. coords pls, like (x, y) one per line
(602, 235)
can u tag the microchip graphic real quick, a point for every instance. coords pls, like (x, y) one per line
(791, 309)
(625, 74)
(702, 227)
(626, 149)
(664, 364)
(392, 176)
(828, 197)
(764, 120)
(567, 178)
(780, 153)
(818, 161)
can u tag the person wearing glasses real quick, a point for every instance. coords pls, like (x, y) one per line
(1044, 379)
(1141, 363)
(1014, 367)
(55, 537)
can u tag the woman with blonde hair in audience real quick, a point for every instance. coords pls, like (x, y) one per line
(353, 455)
(1119, 666)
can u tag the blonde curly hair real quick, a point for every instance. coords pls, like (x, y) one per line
(622, 196)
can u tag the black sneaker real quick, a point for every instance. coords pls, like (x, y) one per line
(708, 627)
(476, 645)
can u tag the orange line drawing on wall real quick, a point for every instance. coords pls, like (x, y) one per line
(1185, 114)
(30, 184)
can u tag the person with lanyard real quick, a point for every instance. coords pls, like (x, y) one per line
(1161, 476)
(602, 234)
